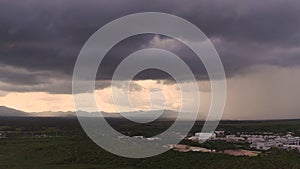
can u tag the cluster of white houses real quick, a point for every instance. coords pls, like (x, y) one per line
(259, 142)
(266, 142)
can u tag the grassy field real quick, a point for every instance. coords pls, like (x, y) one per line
(81, 153)
(73, 150)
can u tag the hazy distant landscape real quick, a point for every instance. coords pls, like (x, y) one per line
(199, 84)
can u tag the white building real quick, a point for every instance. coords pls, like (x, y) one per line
(263, 145)
(234, 138)
(291, 147)
(205, 136)
(2, 135)
(138, 137)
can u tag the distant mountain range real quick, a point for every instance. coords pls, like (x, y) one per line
(168, 114)
(10, 112)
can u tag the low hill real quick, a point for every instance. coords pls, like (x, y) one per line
(5, 111)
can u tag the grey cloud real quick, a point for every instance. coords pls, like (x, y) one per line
(14, 79)
(46, 36)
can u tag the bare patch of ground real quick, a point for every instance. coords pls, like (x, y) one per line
(241, 152)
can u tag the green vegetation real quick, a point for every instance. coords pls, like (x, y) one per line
(275, 126)
(72, 149)
(80, 152)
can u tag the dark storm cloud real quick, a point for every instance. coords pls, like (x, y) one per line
(43, 81)
(45, 37)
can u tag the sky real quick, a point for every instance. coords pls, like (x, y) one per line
(258, 43)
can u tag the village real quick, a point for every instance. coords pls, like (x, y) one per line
(262, 141)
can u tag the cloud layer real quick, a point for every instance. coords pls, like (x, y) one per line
(258, 43)
(47, 36)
